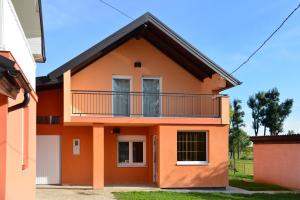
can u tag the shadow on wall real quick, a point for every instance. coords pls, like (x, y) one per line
(197, 176)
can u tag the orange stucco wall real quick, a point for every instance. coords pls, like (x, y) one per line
(120, 61)
(214, 174)
(17, 146)
(277, 164)
(75, 169)
(126, 175)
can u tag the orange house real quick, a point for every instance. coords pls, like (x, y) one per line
(142, 107)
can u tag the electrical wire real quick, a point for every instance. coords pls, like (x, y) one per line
(116, 9)
(264, 43)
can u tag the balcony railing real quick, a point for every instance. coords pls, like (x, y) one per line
(138, 104)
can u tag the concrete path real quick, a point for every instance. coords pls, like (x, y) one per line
(87, 193)
(83, 193)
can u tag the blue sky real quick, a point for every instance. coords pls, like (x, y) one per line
(226, 31)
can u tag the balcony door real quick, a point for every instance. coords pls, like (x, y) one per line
(121, 96)
(151, 97)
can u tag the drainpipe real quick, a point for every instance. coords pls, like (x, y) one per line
(23, 104)
(18, 76)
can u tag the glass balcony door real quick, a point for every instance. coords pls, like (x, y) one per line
(121, 96)
(151, 97)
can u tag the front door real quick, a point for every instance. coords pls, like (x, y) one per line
(48, 159)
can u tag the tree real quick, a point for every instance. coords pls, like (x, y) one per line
(257, 104)
(292, 132)
(237, 123)
(276, 112)
(244, 141)
(267, 111)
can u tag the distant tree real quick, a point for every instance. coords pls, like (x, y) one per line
(267, 111)
(276, 112)
(237, 123)
(244, 141)
(257, 104)
(292, 132)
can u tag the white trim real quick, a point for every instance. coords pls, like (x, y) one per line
(160, 91)
(126, 77)
(12, 8)
(195, 162)
(2, 47)
(130, 139)
(184, 163)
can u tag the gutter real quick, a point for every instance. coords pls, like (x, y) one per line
(14, 80)
(23, 104)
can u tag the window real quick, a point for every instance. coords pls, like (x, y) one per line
(191, 148)
(48, 119)
(121, 96)
(151, 97)
(131, 151)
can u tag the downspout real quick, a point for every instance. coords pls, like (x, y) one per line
(23, 104)
(17, 75)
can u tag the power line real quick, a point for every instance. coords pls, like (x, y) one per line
(263, 44)
(116, 9)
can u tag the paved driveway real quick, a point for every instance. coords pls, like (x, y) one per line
(82, 193)
(73, 194)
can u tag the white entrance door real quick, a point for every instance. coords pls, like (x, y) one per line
(48, 159)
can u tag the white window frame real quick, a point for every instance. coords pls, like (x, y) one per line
(194, 162)
(130, 139)
(130, 90)
(160, 91)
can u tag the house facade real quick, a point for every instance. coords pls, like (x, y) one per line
(21, 47)
(142, 107)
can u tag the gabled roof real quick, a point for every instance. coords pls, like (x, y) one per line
(149, 27)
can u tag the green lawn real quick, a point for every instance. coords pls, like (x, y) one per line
(243, 166)
(246, 182)
(200, 196)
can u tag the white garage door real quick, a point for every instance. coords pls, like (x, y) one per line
(48, 159)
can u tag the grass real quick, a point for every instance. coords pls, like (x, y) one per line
(243, 166)
(245, 181)
(201, 196)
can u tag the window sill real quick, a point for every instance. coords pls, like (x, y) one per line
(131, 165)
(191, 163)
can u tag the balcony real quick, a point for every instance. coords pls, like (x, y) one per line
(148, 105)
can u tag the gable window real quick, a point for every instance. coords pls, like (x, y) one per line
(131, 151)
(192, 147)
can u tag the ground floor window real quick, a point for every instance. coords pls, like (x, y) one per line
(191, 147)
(131, 150)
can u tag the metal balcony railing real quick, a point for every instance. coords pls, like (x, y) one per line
(139, 104)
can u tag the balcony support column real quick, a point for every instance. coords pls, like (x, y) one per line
(67, 96)
(225, 115)
(98, 156)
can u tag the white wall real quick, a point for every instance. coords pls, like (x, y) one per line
(13, 39)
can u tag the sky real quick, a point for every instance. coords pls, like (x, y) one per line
(226, 31)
